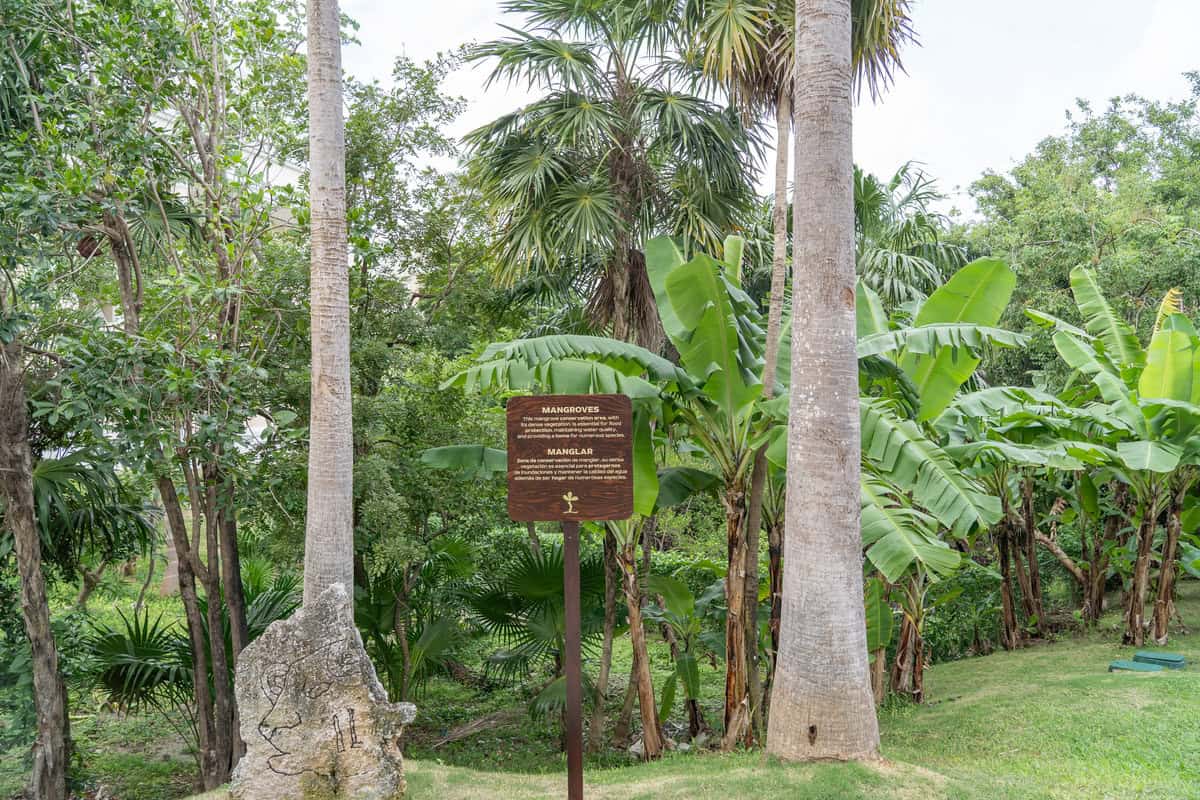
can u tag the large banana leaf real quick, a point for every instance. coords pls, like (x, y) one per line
(562, 376)
(880, 616)
(627, 358)
(907, 458)
(1082, 356)
(1120, 342)
(930, 339)
(978, 294)
(713, 350)
(645, 473)
(662, 256)
(897, 535)
(869, 316)
(677, 484)
(1169, 362)
(471, 460)
(1149, 455)
(1053, 323)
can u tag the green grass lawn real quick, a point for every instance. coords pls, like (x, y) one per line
(1045, 722)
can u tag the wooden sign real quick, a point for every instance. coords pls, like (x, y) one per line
(570, 457)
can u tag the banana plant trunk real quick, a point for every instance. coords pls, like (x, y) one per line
(879, 674)
(48, 778)
(652, 739)
(738, 729)
(1164, 604)
(1093, 604)
(1035, 574)
(821, 702)
(1010, 630)
(775, 581)
(1135, 611)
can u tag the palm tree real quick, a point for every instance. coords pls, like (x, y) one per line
(898, 242)
(748, 46)
(616, 150)
(821, 701)
(329, 529)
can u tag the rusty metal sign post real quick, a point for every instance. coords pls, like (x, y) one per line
(570, 459)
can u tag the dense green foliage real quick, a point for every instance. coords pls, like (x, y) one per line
(1029, 394)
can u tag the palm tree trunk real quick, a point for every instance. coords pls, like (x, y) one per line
(329, 532)
(651, 730)
(48, 778)
(821, 703)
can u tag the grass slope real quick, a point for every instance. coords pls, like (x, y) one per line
(1047, 722)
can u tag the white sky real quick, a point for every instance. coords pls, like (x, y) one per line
(990, 80)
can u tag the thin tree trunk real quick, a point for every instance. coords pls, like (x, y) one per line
(231, 571)
(329, 531)
(737, 691)
(48, 778)
(821, 702)
(400, 628)
(1010, 630)
(89, 582)
(879, 675)
(651, 731)
(625, 718)
(535, 544)
(902, 667)
(758, 481)
(170, 580)
(223, 702)
(186, 565)
(1135, 612)
(1035, 574)
(141, 599)
(775, 569)
(1098, 565)
(1165, 602)
(612, 579)
(1027, 603)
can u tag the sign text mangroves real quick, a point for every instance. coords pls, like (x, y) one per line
(570, 457)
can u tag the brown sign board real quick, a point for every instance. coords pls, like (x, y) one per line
(570, 457)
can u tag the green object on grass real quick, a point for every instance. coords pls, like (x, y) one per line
(1168, 660)
(1133, 666)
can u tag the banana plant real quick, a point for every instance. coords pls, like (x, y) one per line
(684, 614)
(1148, 400)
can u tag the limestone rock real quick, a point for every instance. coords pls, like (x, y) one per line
(316, 720)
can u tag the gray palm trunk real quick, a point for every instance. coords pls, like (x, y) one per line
(821, 702)
(329, 530)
